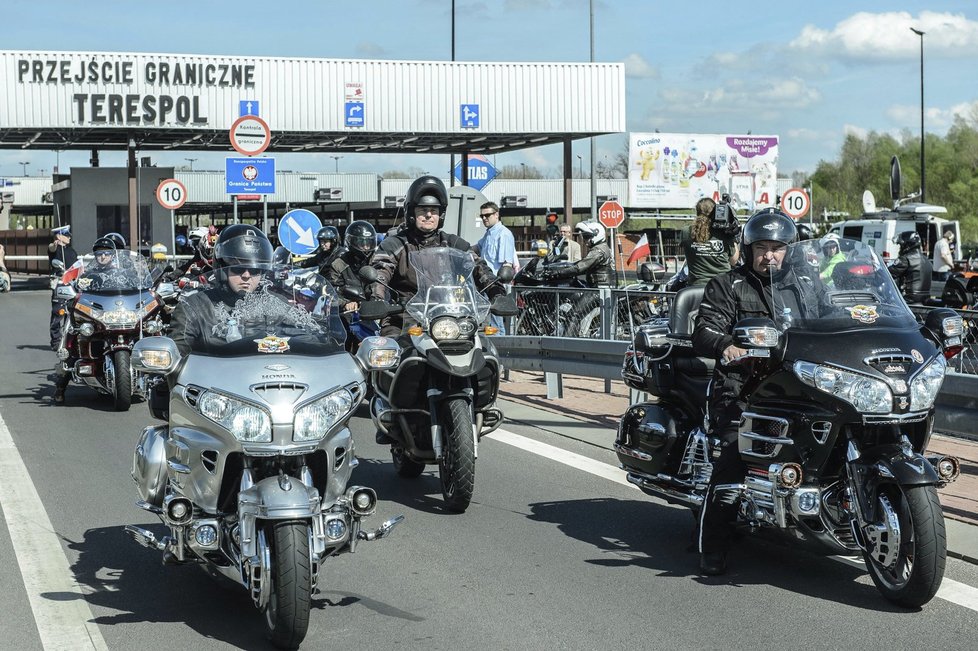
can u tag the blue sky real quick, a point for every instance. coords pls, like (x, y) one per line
(809, 72)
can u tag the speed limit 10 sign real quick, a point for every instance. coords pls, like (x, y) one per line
(171, 194)
(795, 203)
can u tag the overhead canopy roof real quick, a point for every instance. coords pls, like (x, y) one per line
(101, 100)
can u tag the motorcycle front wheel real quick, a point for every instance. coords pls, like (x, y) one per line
(123, 380)
(457, 466)
(910, 575)
(287, 610)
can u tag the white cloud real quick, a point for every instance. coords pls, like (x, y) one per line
(805, 133)
(936, 119)
(637, 67)
(886, 36)
(770, 95)
(852, 129)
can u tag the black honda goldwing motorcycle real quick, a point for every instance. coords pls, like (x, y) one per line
(838, 408)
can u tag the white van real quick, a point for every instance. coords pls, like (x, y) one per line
(879, 229)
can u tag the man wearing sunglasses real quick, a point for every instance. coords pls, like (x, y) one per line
(242, 258)
(424, 204)
(497, 247)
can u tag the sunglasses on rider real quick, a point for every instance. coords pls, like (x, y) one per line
(103, 253)
(240, 270)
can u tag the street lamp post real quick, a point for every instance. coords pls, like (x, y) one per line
(923, 176)
(336, 160)
(23, 170)
(191, 161)
(580, 165)
(523, 167)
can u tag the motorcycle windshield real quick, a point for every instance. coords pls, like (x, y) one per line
(445, 286)
(834, 286)
(294, 312)
(113, 272)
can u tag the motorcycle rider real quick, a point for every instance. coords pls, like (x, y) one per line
(596, 266)
(912, 269)
(745, 291)
(202, 239)
(424, 206)
(359, 244)
(242, 258)
(831, 256)
(329, 239)
(105, 260)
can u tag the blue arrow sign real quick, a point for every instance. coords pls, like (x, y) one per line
(297, 231)
(468, 116)
(247, 107)
(249, 175)
(354, 114)
(481, 172)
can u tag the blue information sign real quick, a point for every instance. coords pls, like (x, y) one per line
(249, 175)
(353, 112)
(481, 172)
(468, 115)
(297, 231)
(247, 107)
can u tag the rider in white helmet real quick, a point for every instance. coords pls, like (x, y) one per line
(596, 265)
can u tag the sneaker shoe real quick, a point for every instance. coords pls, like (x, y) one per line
(713, 563)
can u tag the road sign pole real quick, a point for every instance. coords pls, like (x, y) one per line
(264, 214)
(235, 201)
(173, 232)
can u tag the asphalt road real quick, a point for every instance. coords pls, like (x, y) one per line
(549, 555)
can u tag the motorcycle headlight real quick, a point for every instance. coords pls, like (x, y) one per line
(119, 317)
(867, 394)
(315, 419)
(247, 423)
(924, 387)
(445, 328)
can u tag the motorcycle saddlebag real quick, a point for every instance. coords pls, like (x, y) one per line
(646, 436)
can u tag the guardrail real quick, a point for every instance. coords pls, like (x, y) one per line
(587, 331)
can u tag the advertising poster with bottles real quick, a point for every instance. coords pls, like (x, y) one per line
(675, 170)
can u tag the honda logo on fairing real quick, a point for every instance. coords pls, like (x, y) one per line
(278, 367)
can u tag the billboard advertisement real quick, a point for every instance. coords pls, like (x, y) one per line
(675, 170)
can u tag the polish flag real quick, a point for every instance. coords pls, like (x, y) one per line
(641, 249)
(72, 273)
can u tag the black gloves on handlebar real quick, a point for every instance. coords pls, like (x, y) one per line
(503, 305)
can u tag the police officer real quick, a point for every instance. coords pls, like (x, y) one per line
(745, 291)
(59, 249)
(912, 269)
(596, 266)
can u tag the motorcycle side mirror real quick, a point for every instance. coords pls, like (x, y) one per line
(352, 293)
(64, 292)
(58, 264)
(506, 273)
(157, 355)
(757, 334)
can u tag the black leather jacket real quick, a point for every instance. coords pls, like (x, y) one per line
(193, 320)
(912, 272)
(595, 266)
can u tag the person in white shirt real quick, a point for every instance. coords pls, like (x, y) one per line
(943, 260)
(572, 248)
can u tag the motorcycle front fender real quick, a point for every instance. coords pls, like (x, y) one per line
(888, 464)
(273, 498)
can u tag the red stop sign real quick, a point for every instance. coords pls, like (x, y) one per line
(611, 214)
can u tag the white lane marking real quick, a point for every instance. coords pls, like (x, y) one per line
(951, 590)
(563, 456)
(63, 618)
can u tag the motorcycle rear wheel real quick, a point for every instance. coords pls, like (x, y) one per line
(457, 466)
(122, 397)
(916, 574)
(287, 610)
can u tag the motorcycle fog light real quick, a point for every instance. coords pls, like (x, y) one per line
(948, 468)
(206, 535)
(63, 354)
(807, 501)
(87, 329)
(335, 529)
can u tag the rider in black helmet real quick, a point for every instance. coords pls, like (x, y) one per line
(912, 269)
(424, 206)
(328, 238)
(242, 260)
(359, 244)
(745, 291)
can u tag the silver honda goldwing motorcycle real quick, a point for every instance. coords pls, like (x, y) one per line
(250, 469)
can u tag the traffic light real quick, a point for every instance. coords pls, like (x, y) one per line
(552, 227)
